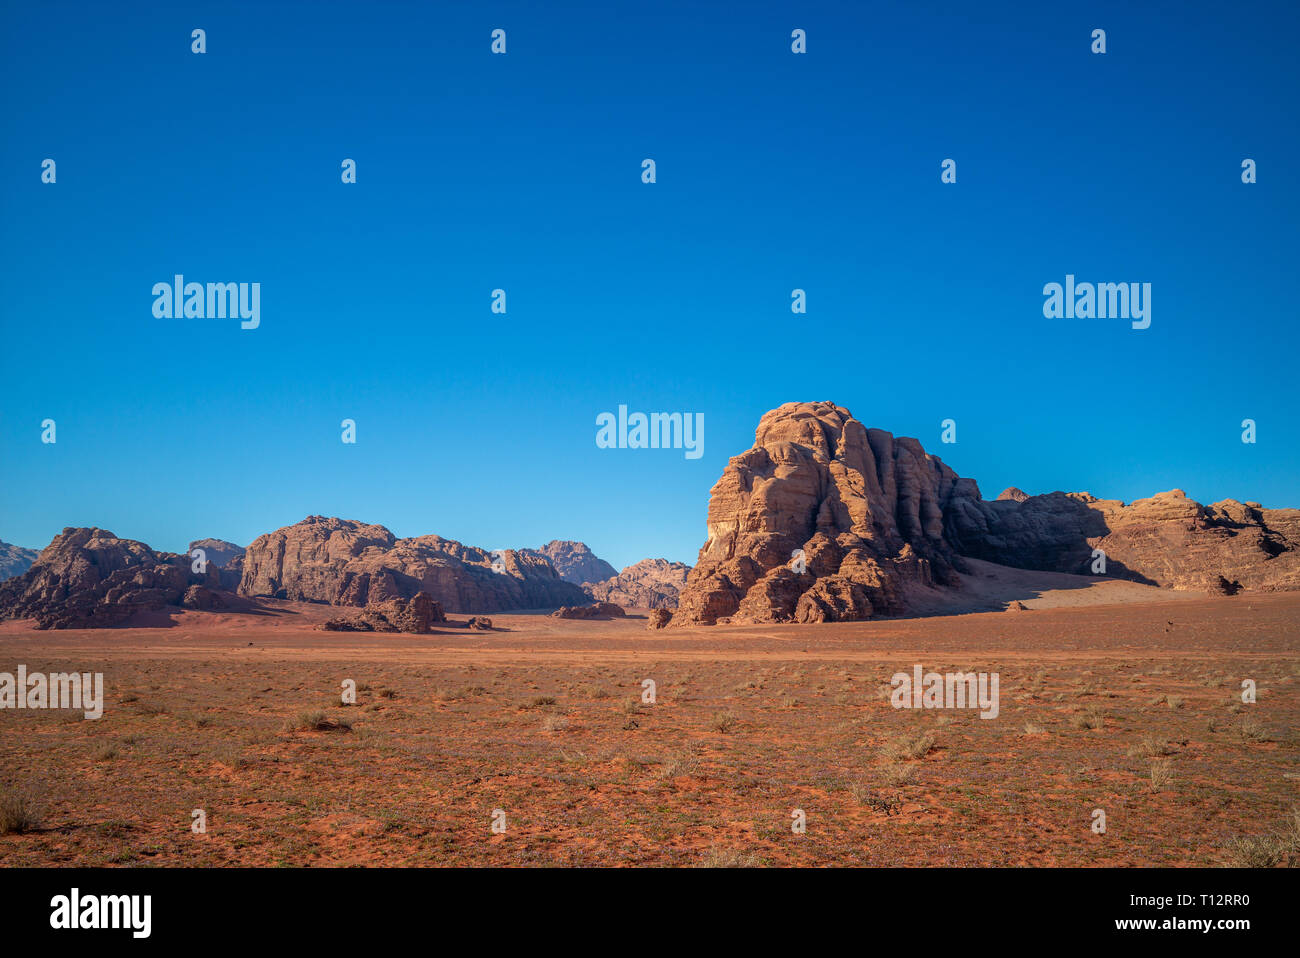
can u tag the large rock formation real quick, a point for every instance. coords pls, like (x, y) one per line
(344, 562)
(825, 520)
(1167, 540)
(15, 560)
(89, 578)
(649, 584)
(573, 561)
(822, 520)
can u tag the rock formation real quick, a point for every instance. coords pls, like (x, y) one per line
(416, 615)
(89, 578)
(601, 610)
(15, 560)
(344, 562)
(825, 520)
(822, 520)
(649, 584)
(573, 561)
(658, 618)
(1166, 540)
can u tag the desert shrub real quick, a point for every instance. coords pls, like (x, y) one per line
(18, 813)
(724, 722)
(909, 745)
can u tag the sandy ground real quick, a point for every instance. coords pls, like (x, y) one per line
(1110, 698)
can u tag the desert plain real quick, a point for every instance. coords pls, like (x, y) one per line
(1113, 697)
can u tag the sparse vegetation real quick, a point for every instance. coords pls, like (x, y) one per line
(724, 722)
(729, 858)
(1162, 773)
(909, 745)
(1090, 718)
(18, 813)
(318, 722)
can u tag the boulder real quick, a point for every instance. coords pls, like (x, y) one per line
(658, 618)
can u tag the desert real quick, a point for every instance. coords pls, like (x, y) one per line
(869, 664)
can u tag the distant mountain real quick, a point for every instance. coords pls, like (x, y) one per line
(218, 551)
(345, 562)
(649, 584)
(574, 561)
(15, 560)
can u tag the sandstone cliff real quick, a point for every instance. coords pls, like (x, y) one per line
(344, 562)
(1166, 540)
(89, 578)
(824, 520)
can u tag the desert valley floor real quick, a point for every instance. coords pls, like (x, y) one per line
(1126, 703)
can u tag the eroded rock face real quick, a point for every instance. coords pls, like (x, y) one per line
(1167, 540)
(658, 618)
(344, 562)
(416, 615)
(573, 561)
(15, 560)
(88, 578)
(822, 520)
(649, 584)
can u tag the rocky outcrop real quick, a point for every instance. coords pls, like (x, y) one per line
(649, 584)
(573, 561)
(344, 562)
(89, 578)
(1167, 540)
(416, 615)
(15, 560)
(601, 610)
(822, 520)
(825, 520)
(658, 618)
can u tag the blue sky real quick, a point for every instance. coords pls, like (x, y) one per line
(522, 172)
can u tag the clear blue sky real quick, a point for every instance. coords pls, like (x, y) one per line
(522, 171)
